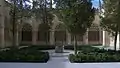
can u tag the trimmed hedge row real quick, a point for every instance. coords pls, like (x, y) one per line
(41, 47)
(23, 55)
(98, 55)
(68, 47)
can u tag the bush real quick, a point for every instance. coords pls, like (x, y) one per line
(92, 54)
(40, 47)
(23, 55)
(69, 47)
(94, 57)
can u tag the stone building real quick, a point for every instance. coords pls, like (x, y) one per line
(58, 34)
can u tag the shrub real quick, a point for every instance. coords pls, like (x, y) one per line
(23, 55)
(69, 47)
(94, 57)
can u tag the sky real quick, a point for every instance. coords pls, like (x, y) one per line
(96, 3)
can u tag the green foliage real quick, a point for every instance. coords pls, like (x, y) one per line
(77, 15)
(23, 55)
(96, 56)
(19, 11)
(110, 21)
(39, 11)
(43, 13)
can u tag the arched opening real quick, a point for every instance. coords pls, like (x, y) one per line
(27, 33)
(95, 34)
(93, 37)
(60, 34)
(43, 33)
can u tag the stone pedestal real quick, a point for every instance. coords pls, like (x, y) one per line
(59, 49)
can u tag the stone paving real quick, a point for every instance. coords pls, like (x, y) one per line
(64, 54)
(59, 57)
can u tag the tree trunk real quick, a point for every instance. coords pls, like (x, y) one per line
(51, 4)
(115, 41)
(14, 25)
(75, 44)
(45, 37)
(47, 40)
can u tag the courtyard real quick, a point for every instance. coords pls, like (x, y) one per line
(59, 34)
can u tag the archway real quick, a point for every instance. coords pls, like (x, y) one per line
(60, 34)
(93, 37)
(27, 33)
(43, 33)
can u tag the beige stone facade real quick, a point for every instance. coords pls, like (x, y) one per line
(58, 34)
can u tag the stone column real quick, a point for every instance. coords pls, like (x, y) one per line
(118, 41)
(2, 40)
(17, 35)
(17, 39)
(85, 38)
(20, 36)
(68, 38)
(103, 38)
(107, 39)
(52, 38)
(100, 37)
(112, 40)
(34, 37)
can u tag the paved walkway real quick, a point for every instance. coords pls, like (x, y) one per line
(59, 57)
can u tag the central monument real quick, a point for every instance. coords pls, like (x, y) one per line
(59, 48)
